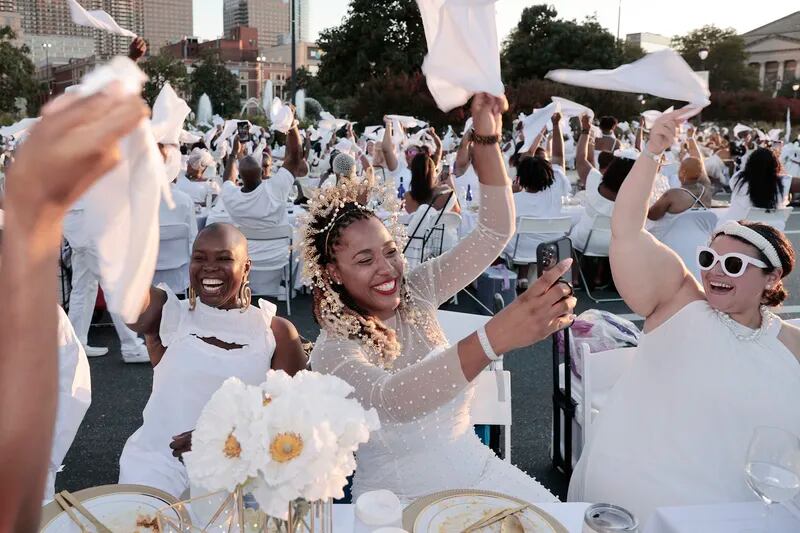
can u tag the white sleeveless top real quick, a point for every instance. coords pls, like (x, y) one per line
(678, 423)
(190, 371)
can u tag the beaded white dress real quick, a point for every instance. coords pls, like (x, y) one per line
(426, 443)
(676, 426)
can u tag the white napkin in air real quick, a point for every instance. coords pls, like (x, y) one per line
(18, 129)
(123, 205)
(463, 54)
(740, 128)
(651, 115)
(534, 123)
(568, 108)
(663, 73)
(96, 19)
(280, 115)
(407, 122)
(169, 112)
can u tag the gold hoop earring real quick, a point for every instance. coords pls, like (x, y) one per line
(245, 295)
(192, 299)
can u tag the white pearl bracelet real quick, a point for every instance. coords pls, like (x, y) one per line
(486, 345)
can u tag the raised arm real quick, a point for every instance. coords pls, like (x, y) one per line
(387, 144)
(640, 134)
(294, 161)
(582, 162)
(557, 151)
(232, 161)
(637, 258)
(462, 156)
(694, 150)
(437, 154)
(80, 136)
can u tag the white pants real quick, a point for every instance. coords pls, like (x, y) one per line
(85, 278)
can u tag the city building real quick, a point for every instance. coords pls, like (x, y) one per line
(63, 76)
(307, 55)
(240, 55)
(49, 18)
(649, 42)
(269, 17)
(9, 17)
(773, 51)
(58, 49)
(166, 21)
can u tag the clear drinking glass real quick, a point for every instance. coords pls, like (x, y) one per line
(772, 468)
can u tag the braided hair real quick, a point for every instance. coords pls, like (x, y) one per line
(368, 327)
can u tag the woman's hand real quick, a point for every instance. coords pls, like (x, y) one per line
(586, 124)
(664, 131)
(181, 444)
(543, 309)
(80, 137)
(487, 111)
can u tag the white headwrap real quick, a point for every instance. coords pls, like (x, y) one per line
(344, 165)
(753, 237)
(200, 158)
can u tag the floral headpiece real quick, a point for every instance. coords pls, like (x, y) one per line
(326, 208)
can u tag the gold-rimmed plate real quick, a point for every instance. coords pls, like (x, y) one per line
(118, 507)
(454, 510)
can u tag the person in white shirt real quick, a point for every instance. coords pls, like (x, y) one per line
(192, 182)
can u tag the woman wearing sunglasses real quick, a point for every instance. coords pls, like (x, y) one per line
(714, 363)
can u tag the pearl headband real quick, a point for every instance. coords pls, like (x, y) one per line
(753, 237)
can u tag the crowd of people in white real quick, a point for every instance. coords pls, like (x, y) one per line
(704, 279)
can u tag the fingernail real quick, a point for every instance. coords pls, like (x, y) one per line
(567, 262)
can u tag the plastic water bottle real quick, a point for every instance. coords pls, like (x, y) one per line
(469, 193)
(401, 191)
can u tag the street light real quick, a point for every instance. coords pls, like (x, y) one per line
(795, 88)
(703, 53)
(47, 47)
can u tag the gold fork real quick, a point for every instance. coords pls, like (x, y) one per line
(496, 517)
(68, 509)
(85, 512)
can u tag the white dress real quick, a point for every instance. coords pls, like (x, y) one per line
(190, 371)
(542, 204)
(677, 425)
(426, 442)
(740, 198)
(594, 204)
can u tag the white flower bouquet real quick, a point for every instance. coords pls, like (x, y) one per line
(289, 439)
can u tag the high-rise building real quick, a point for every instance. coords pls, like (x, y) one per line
(166, 21)
(51, 17)
(269, 17)
(11, 18)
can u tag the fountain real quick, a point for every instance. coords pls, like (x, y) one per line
(300, 104)
(204, 110)
(266, 96)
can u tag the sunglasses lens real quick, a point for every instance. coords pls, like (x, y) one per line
(705, 259)
(734, 265)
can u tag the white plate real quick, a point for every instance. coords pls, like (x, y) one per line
(458, 512)
(118, 512)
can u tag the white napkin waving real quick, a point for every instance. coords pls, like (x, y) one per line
(18, 129)
(169, 113)
(651, 115)
(740, 128)
(463, 54)
(123, 205)
(568, 108)
(449, 140)
(187, 137)
(663, 73)
(534, 123)
(96, 19)
(280, 115)
(407, 122)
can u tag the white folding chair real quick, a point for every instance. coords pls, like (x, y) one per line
(172, 264)
(600, 372)
(542, 228)
(596, 245)
(444, 235)
(776, 218)
(278, 233)
(688, 231)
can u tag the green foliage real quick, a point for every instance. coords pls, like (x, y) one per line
(376, 38)
(541, 42)
(17, 75)
(751, 106)
(161, 69)
(221, 85)
(726, 60)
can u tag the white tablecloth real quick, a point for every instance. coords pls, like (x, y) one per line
(721, 518)
(569, 514)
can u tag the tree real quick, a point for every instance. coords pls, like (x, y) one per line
(161, 69)
(726, 60)
(16, 75)
(541, 42)
(375, 39)
(222, 87)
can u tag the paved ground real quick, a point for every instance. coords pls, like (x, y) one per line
(120, 392)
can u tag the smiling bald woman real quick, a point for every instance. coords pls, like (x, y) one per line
(195, 345)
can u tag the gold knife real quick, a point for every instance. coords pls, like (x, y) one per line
(85, 512)
(68, 509)
(484, 522)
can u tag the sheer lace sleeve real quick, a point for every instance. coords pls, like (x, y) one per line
(398, 396)
(441, 278)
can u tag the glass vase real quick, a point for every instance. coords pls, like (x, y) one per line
(238, 512)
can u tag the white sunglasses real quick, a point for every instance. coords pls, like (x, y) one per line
(733, 264)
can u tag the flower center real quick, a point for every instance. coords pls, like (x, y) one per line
(266, 400)
(232, 448)
(285, 447)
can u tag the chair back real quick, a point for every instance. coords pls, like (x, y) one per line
(600, 232)
(555, 225)
(269, 234)
(688, 231)
(600, 372)
(532, 231)
(173, 246)
(772, 217)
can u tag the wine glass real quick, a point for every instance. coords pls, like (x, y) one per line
(773, 467)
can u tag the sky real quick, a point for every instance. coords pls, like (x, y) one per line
(672, 17)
